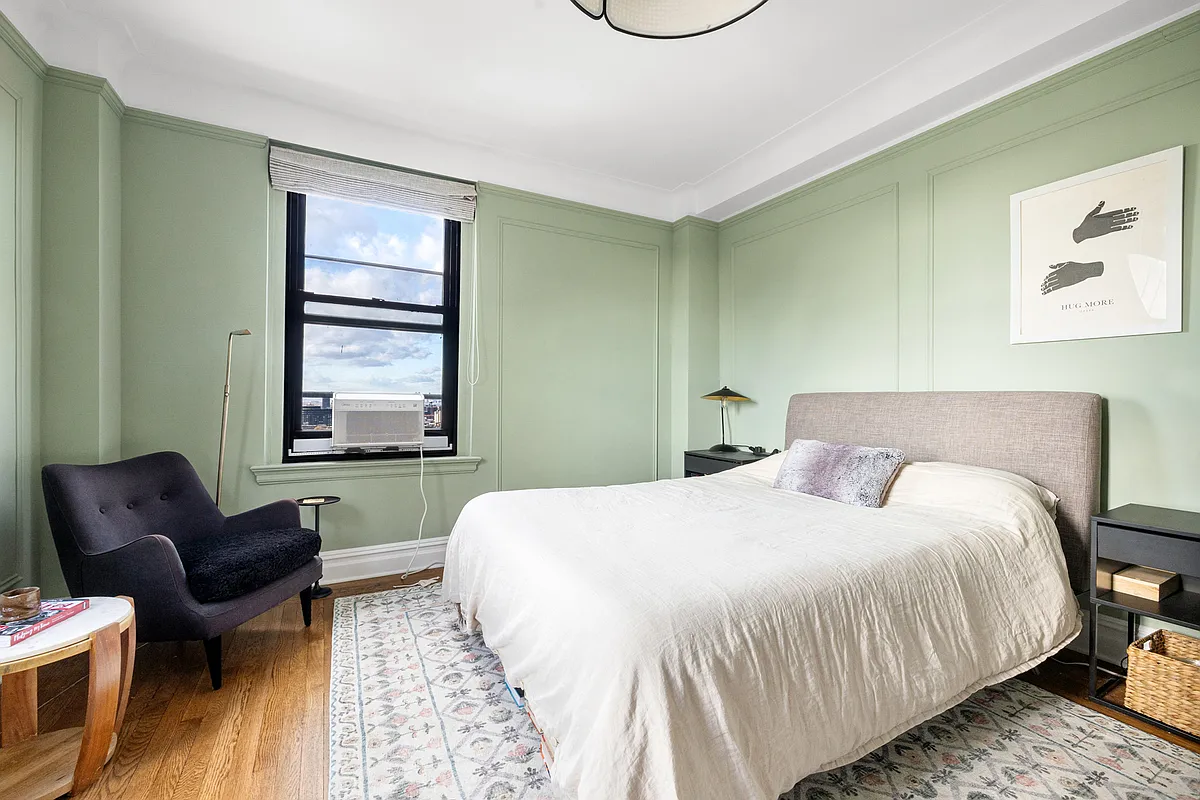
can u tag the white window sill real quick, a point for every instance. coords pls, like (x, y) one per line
(267, 474)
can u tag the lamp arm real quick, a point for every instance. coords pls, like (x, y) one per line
(224, 421)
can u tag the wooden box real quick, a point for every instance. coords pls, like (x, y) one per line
(1151, 584)
(1105, 569)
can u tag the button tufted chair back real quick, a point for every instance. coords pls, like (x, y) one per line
(93, 509)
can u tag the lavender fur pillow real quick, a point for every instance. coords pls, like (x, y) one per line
(847, 473)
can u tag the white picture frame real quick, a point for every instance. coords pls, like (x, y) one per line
(1100, 254)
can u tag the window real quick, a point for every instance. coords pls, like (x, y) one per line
(372, 306)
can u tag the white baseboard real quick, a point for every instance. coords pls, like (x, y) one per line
(374, 561)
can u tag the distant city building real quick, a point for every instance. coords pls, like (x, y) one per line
(316, 413)
(433, 412)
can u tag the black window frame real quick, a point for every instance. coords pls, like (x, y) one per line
(295, 318)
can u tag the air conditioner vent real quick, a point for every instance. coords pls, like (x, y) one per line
(377, 420)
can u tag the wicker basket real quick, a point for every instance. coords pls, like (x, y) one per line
(1164, 680)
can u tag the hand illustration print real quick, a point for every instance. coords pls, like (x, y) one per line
(1069, 273)
(1096, 224)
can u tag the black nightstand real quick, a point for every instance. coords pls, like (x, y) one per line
(706, 462)
(1161, 538)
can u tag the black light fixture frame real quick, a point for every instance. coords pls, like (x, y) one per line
(603, 15)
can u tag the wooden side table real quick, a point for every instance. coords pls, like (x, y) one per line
(36, 767)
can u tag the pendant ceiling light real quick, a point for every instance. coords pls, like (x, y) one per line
(668, 19)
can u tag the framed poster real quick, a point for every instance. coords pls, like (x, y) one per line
(1100, 254)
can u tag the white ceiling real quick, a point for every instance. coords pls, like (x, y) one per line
(533, 94)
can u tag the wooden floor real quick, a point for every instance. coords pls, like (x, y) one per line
(264, 734)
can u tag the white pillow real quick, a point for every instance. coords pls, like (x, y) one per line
(977, 490)
(764, 469)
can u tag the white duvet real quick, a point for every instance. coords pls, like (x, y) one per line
(717, 638)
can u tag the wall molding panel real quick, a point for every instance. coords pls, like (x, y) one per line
(505, 224)
(952, 263)
(738, 328)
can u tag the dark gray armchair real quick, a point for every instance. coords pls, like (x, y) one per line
(147, 528)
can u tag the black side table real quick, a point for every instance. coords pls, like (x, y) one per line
(315, 503)
(1161, 538)
(707, 462)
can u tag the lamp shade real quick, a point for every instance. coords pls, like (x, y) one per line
(668, 19)
(726, 394)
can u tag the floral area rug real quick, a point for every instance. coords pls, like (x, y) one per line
(419, 710)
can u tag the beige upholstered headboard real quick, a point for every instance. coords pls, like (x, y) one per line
(1051, 438)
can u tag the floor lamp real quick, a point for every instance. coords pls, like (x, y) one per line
(725, 395)
(225, 411)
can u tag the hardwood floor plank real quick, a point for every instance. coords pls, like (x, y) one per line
(222, 727)
(171, 739)
(314, 760)
(277, 753)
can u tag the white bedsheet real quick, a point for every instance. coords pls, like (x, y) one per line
(716, 638)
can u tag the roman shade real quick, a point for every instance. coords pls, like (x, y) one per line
(298, 171)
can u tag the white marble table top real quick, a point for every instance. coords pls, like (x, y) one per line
(103, 612)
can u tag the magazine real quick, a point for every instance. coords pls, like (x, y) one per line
(52, 612)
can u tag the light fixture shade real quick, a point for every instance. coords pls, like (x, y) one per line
(668, 19)
(726, 394)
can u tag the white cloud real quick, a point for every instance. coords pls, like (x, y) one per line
(351, 230)
(363, 347)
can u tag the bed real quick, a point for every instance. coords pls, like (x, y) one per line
(717, 638)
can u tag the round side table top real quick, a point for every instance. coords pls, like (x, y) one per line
(102, 612)
(318, 500)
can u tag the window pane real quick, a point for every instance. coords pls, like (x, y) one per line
(371, 283)
(360, 312)
(338, 359)
(377, 234)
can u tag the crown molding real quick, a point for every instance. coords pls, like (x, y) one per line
(195, 128)
(694, 222)
(87, 83)
(1187, 26)
(731, 194)
(570, 205)
(21, 46)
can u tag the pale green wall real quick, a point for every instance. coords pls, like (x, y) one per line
(571, 297)
(576, 341)
(20, 248)
(694, 332)
(894, 272)
(81, 280)
(598, 330)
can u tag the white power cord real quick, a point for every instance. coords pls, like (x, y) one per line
(424, 512)
(1085, 664)
(473, 373)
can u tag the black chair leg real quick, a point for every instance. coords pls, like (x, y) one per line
(306, 596)
(212, 649)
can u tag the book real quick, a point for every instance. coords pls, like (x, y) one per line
(1147, 583)
(52, 612)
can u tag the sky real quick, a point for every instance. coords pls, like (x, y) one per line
(356, 359)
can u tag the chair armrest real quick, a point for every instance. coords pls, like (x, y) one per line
(271, 517)
(148, 570)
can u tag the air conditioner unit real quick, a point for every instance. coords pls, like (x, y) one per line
(375, 420)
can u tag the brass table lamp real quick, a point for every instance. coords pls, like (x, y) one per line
(725, 395)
